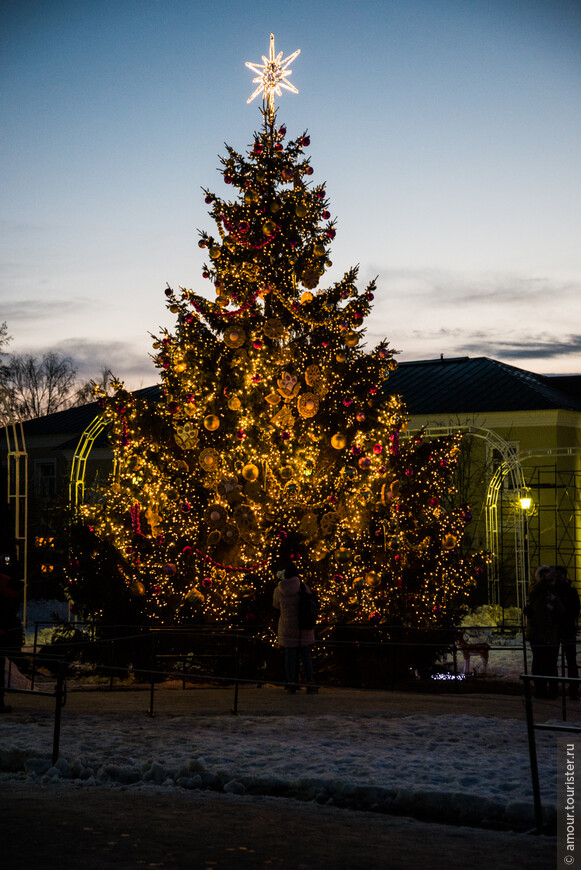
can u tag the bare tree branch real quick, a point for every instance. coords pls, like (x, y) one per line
(39, 386)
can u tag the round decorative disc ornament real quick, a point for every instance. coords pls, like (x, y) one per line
(234, 336)
(308, 405)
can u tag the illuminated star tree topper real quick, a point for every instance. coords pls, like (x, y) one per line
(272, 75)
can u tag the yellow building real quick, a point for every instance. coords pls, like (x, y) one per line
(523, 434)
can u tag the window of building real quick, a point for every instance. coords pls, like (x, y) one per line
(45, 478)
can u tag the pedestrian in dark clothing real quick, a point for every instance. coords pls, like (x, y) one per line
(544, 611)
(10, 627)
(568, 626)
(295, 642)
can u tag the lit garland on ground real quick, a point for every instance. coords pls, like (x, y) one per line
(276, 437)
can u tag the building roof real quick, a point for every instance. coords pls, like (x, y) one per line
(480, 385)
(72, 422)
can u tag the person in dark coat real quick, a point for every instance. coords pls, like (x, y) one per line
(544, 611)
(295, 642)
(10, 626)
(568, 626)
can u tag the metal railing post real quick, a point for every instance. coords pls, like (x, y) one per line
(533, 754)
(236, 676)
(34, 648)
(59, 704)
(152, 686)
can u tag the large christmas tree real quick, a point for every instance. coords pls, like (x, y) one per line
(275, 435)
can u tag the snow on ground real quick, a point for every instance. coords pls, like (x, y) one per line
(472, 770)
(459, 768)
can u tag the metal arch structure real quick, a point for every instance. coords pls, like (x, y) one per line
(510, 466)
(79, 463)
(17, 487)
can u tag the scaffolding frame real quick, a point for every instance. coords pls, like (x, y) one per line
(17, 489)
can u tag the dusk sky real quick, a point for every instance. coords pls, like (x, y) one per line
(448, 133)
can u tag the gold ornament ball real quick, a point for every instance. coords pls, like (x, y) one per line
(250, 472)
(341, 357)
(137, 589)
(215, 252)
(234, 403)
(319, 250)
(180, 366)
(343, 554)
(338, 441)
(301, 210)
(351, 339)
(268, 228)
(372, 579)
(306, 297)
(211, 422)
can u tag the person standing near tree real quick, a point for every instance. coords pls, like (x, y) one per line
(544, 612)
(568, 625)
(294, 640)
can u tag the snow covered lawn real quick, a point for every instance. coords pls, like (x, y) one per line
(472, 770)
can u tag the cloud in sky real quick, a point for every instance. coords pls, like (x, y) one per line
(39, 309)
(128, 362)
(543, 346)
